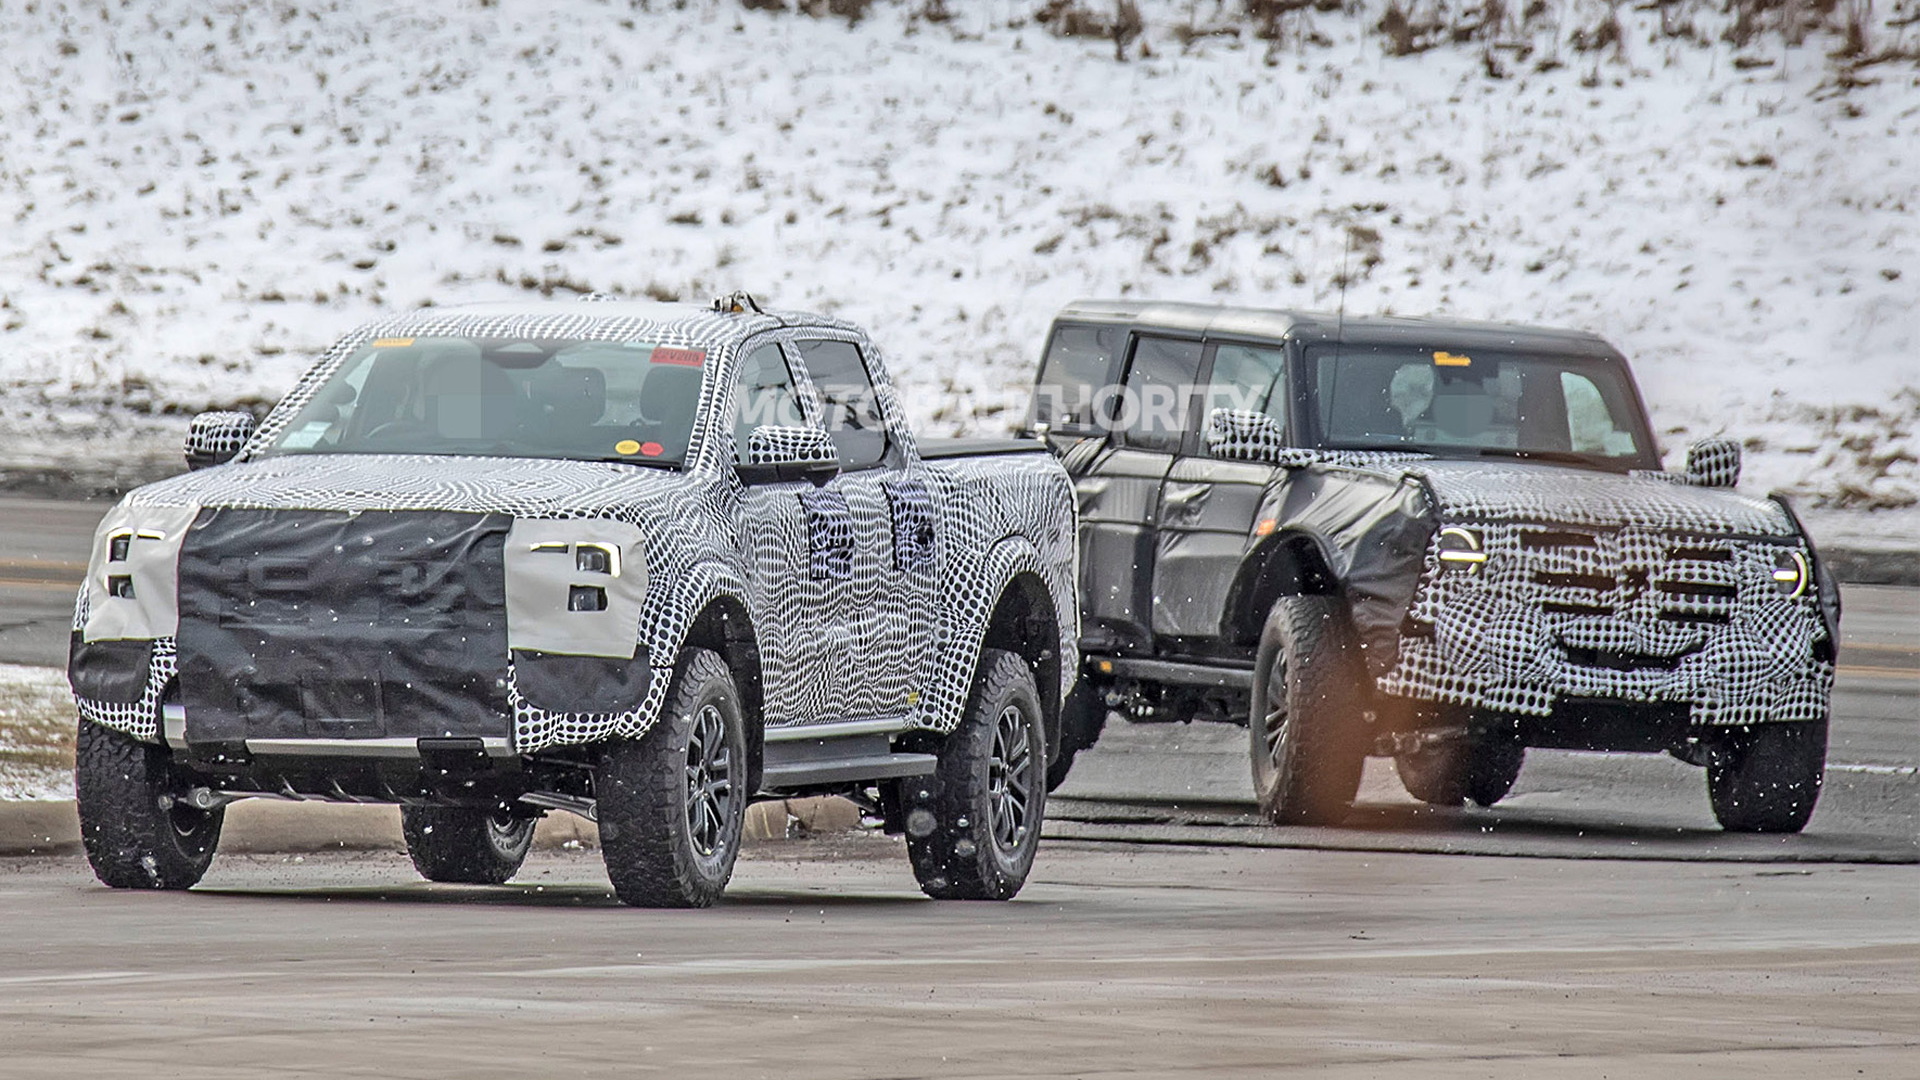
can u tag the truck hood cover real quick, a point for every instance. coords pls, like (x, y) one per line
(522, 487)
(1523, 491)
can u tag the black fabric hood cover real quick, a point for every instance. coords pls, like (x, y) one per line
(321, 624)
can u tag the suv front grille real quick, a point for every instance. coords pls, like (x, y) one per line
(1640, 575)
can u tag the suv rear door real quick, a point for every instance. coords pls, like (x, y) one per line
(1119, 478)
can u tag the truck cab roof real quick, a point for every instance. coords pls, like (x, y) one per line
(1225, 321)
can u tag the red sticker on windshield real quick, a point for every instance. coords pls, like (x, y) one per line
(651, 449)
(682, 357)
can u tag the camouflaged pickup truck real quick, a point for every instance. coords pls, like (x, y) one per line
(1443, 542)
(641, 562)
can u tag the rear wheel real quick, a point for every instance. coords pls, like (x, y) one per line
(1082, 717)
(1496, 765)
(473, 846)
(673, 802)
(1766, 778)
(973, 826)
(137, 832)
(1306, 732)
(1480, 768)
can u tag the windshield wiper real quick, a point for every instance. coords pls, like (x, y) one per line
(1566, 457)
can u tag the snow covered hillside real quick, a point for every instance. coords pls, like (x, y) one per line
(197, 196)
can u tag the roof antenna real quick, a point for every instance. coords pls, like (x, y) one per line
(1340, 319)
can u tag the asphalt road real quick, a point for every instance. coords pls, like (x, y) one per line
(1116, 961)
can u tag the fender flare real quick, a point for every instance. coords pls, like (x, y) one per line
(964, 624)
(1292, 562)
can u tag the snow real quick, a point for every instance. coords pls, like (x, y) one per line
(199, 196)
(36, 733)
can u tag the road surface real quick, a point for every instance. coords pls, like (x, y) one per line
(1116, 961)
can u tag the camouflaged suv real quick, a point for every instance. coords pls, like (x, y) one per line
(1440, 541)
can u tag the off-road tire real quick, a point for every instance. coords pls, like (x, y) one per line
(1480, 769)
(672, 803)
(134, 841)
(1765, 778)
(1306, 731)
(1436, 774)
(973, 825)
(467, 845)
(1083, 716)
(1496, 765)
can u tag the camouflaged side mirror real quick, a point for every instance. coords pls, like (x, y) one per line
(1713, 463)
(1245, 435)
(214, 437)
(776, 453)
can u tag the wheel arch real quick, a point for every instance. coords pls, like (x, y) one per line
(1292, 563)
(1026, 622)
(724, 625)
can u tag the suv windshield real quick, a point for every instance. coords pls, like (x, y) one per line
(1478, 403)
(504, 397)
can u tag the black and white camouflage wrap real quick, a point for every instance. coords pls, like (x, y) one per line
(1601, 586)
(905, 603)
(217, 436)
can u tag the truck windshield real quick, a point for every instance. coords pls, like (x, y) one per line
(1474, 403)
(590, 400)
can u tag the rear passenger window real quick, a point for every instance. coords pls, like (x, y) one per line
(1156, 409)
(1080, 362)
(850, 409)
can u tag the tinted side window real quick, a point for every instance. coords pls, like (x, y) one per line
(766, 396)
(1157, 407)
(1080, 362)
(850, 408)
(1250, 377)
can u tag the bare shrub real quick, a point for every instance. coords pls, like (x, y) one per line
(1603, 34)
(1408, 33)
(1072, 19)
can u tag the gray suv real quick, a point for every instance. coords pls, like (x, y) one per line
(1440, 541)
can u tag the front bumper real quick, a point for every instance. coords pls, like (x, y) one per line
(374, 629)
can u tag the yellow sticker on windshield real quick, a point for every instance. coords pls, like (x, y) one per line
(1447, 359)
(392, 342)
(626, 446)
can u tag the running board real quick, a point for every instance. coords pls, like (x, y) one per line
(800, 774)
(1174, 672)
(800, 763)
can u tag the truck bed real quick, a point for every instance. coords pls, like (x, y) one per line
(941, 449)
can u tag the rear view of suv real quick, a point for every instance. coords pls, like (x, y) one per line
(1441, 541)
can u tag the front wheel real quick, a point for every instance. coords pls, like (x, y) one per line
(137, 832)
(1306, 732)
(464, 844)
(1766, 778)
(972, 827)
(672, 803)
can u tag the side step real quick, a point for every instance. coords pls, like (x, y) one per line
(799, 763)
(1174, 672)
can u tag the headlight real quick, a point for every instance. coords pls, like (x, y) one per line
(1460, 550)
(1790, 573)
(575, 587)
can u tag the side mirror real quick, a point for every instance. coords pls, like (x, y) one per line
(776, 453)
(1713, 463)
(214, 437)
(1245, 435)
